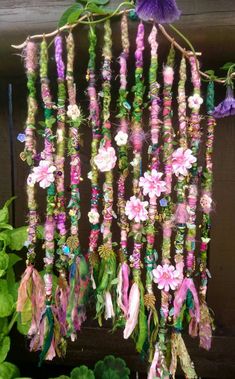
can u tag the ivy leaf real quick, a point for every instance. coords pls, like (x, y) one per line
(9, 370)
(5, 343)
(64, 18)
(18, 237)
(6, 299)
(4, 261)
(82, 372)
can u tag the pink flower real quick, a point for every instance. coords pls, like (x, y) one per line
(105, 160)
(152, 183)
(43, 174)
(182, 161)
(136, 209)
(166, 277)
(168, 74)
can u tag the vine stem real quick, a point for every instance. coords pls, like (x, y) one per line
(12, 322)
(85, 19)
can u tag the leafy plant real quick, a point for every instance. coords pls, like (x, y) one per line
(11, 239)
(111, 368)
(89, 7)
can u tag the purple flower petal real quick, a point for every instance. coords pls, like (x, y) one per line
(21, 137)
(226, 107)
(161, 11)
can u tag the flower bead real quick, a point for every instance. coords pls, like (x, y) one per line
(106, 159)
(152, 183)
(195, 101)
(136, 209)
(73, 112)
(166, 277)
(43, 174)
(93, 217)
(182, 160)
(121, 138)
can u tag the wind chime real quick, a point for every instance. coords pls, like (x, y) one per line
(157, 217)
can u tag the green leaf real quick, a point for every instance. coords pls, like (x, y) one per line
(82, 372)
(6, 299)
(4, 261)
(72, 19)
(61, 377)
(64, 18)
(3, 225)
(227, 66)
(9, 370)
(12, 285)
(4, 212)
(13, 259)
(4, 325)
(18, 237)
(93, 8)
(98, 2)
(40, 232)
(5, 344)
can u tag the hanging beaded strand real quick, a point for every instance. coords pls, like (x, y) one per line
(136, 311)
(48, 337)
(159, 363)
(93, 215)
(30, 300)
(187, 290)
(178, 347)
(62, 290)
(78, 270)
(122, 144)
(181, 215)
(206, 322)
(152, 176)
(105, 161)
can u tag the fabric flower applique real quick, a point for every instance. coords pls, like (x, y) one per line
(195, 101)
(136, 209)
(106, 159)
(206, 202)
(73, 112)
(182, 160)
(121, 138)
(43, 174)
(93, 216)
(227, 106)
(152, 183)
(166, 277)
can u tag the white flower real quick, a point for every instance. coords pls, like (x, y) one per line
(73, 112)
(195, 101)
(106, 159)
(93, 216)
(121, 138)
(135, 162)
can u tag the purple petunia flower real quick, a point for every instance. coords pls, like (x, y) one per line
(161, 11)
(21, 137)
(227, 106)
